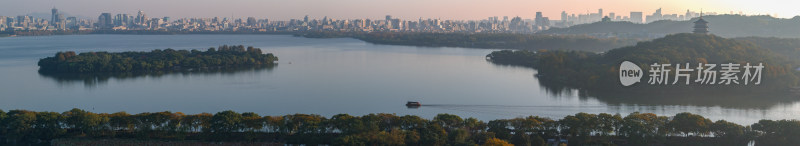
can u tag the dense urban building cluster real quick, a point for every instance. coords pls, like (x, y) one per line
(57, 22)
(140, 21)
(635, 17)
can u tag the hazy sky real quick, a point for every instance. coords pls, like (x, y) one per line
(377, 9)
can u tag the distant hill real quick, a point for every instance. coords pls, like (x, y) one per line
(721, 25)
(787, 47)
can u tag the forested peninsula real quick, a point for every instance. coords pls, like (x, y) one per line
(156, 60)
(599, 71)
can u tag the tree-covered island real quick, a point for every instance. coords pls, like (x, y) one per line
(156, 60)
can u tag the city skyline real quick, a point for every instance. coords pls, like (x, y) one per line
(141, 21)
(412, 9)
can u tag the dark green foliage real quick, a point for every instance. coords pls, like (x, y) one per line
(599, 71)
(688, 123)
(781, 132)
(156, 60)
(23, 127)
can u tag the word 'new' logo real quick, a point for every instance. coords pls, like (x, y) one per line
(707, 74)
(629, 73)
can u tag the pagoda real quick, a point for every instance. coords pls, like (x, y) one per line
(701, 26)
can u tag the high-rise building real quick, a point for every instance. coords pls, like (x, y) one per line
(104, 21)
(600, 11)
(72, 22)
(141, 19)
(126, 20)
(541, 21)
(251, 21)
(3, 23)
(636, 17)
(655, 17)
(53, 15)
(612, 15)
(22, 21)
(57, 19)
(119, 20)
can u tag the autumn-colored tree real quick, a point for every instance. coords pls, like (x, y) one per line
(496, 142)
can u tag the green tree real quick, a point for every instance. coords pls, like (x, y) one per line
(19, 124)
(48, 126)
(496, 142)
(122, 121)
(448, 121)
(723, 128)
(608, 123)
(226, 122)
(687, 123)
(84, 122)
(500, 128)
(252, 123)
(3, 123)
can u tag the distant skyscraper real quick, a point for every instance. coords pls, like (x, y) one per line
(600, 11)
(72, 22)
(612, 15)
(126, 20)
(141, 18)
(118, 20)
(655, 17)
(538, 15)
(251, 21)
(105, 21)
(564, 16)
(636, 17)
(539, 20)
(53, 16)
(57, 20)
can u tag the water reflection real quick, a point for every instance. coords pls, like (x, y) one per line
(94, 79)
(747, 100)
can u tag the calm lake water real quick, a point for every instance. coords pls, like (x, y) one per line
(326, 77)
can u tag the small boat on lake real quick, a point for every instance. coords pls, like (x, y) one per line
(413, 104)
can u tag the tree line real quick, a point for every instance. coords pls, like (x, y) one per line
(156, 60)
(483, 40)
(30, 127)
